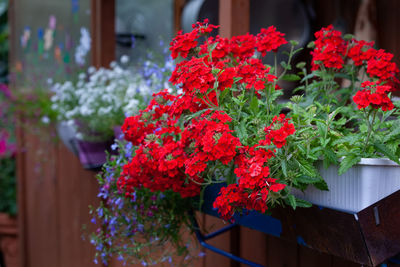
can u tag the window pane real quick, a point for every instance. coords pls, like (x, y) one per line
(148, 21)
(52, 40)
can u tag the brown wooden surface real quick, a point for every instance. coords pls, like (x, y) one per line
(53, 197)
(9, 240)
(234, 17)
(178, 8)
(103, 32)
(8, 225)
(9, 249)
(382, 239)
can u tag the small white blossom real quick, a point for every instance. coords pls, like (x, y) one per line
(45, 120)
(124, 59)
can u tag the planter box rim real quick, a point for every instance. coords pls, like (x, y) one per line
(377, 161)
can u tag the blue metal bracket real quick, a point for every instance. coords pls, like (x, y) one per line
(203, 238)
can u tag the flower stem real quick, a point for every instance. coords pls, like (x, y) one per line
(370, 128)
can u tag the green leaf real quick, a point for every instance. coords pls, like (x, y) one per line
(329, 157)
(303, 203)
(284, 167)
(350, 139)
(292, 201)
(254, 105)
(291, 77)
(305, 179)
(286, 66)
(300, 65)
(223, 94)
(297, 50)
(363, 128)
(236, 79)
(309, 76)
(348, 36)
(311, 45)
(348, 162)
(322, 129)
(308, 169)
(343, 75)
(393, 145)
(394, 131)
(321, 185)
(386, 151)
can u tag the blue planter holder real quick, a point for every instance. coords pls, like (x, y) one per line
(369, 237)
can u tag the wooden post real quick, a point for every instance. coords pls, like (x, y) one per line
(234, 17)
(103, 32)
(178, 8)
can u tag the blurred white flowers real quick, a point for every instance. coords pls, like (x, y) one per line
(101, 98)
(83, 48)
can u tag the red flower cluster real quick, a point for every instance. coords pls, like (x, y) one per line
(184, 42)
(282, 130)
(211, 140)
(361, 52)
(332, 51)
(329, 49)
(174, 152)
(160, 156)
(230, 58)
(375, 95)
(269, 40)
(254, 184)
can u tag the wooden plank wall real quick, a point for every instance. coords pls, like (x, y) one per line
(54, 190)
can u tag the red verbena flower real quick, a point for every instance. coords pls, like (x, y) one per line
(269, 40)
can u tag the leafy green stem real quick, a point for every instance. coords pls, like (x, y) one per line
(370, 127)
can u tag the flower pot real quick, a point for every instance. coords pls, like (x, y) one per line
(93, 155)
(118, 132)
(361, 186)
(368, 237)
(9, 240)
(67, 134)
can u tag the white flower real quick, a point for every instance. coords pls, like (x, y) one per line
(45, 120)
(79, 136)
(113, 64)
(124, 59)
(83, 48)
(91, 70)
(82, 76)
(132, 107)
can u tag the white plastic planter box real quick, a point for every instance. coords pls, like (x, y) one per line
(361, 186)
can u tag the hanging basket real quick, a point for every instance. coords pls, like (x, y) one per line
(92, 155)
(67, 135)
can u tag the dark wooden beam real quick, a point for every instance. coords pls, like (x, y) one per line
(178, 8)
(103, 32)
(234, 17)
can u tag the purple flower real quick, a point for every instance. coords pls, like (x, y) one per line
(100, 212)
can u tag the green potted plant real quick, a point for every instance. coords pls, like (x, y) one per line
(228, 127)
(93, 108)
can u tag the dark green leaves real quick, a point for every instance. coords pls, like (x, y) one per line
(348, 162)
